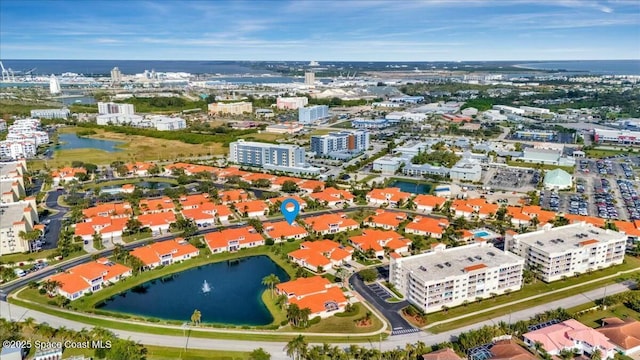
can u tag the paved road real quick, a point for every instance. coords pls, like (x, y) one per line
(53, 228)
(391, 311)
(275, 348)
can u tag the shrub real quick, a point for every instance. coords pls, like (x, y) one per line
(269, 242)
(315, 320)
(284, 322)
(42, 291)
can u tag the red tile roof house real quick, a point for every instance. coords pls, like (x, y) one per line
(377, 240)
(427, 203)
(625, 334)
(233, 196)
(66, 174)
(517, 217)
(278, 201)
(207, 213)
(281, 231)
(311, 185)
(442, 354)
(427, 226)
(159, 222)
(389, 196)
(254, 208)
(315, 293)
(571, 335)
(115, 210)
(461, 208)
(331, 223)
(280, 180)
(388, 220)
(108, 227)
(165, 252)
(333, 197)
(89, 277)
(321, 254)
(233, 239)
(154, 206)
(139, 168)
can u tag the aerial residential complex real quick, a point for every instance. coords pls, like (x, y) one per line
(564, 251)
(115, 108)
(23, 139)
(277, 157)
(50, 113)
(336, 143)
(291, 103)
(453, 276)
(235, 108)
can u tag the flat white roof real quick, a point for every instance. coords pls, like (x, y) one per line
(568, 237)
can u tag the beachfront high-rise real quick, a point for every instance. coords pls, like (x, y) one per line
(309, 78)
(116, 76)
(277, 157)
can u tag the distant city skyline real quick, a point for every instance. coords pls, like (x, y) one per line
(358, 30)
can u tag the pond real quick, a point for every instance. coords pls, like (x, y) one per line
(412, 187)
(73, 141)
(234, 298)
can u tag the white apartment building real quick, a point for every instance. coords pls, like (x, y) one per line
(451, 277)
(165, 123)
(291, 103)
(308, 115)
(11, 180)
(236, 108)
(276, 157)
(568, 250)
(16, 217)
(115, 108)
(50, 113)
(23, 139)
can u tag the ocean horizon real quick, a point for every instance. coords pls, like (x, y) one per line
(103, 67)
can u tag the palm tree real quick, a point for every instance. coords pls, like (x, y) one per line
(50, 286)
(271, 281)
(281, 300)
(296, 348)
(196, 317)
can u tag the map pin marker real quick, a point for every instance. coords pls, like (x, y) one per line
(290, 214)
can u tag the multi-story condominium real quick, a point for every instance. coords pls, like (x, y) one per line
(455, 276)
(12, 181)
(309, 78)
(352, 141)
(279, 157)
(50, 113)
(291, 103)
(15, 149)
(564, 251)
(23, 139)
(16, 217)
(115, 108)
(235, 108)
(307, 115)
(626, 137)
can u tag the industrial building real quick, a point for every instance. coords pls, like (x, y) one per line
(564, 251)
(622, 137)
(454, 276)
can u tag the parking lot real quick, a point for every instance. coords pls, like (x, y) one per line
(629, 195)
(521, 180)
(380, 291)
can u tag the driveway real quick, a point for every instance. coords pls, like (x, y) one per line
(52, 230)
(376, 295)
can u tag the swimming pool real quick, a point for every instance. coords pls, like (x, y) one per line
(482, 234)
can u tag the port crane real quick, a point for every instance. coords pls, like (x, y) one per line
(7, 74)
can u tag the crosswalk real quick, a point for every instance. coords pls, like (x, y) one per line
(403, 331)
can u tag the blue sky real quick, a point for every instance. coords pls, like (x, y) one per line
(349, 30)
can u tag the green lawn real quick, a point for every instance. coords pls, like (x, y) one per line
(136, 237)
(597, 153)
(342, 125)
(17, 258)
(538, 288)
(568, 169)
(367, 178)
(169, 353)
(592, 318)
(336, 324)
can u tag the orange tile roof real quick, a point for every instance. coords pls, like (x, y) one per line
(93, 270)
(233, 195)
(67, 172)
(589, 242)
(100, 224)
(283, 198)
(388, 194)
(251, 177)
(161, 204)
(378, 239)
(139, 166)
(332, 195)
(595, 221)
(163, 218)
(277, 230)
(313, 258)
(108, 209)
(280, 180)
(252, 206)
(442, 354)
(474, 267)
(624, 333)
(429, 200)
(194, 200)
(387, 218)
(325, 222)
(311, 185)
(71, 283)
(627, 227)
(151, 253)
(243, 235)
(316, 302)
(304, 286)
(427, 224)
